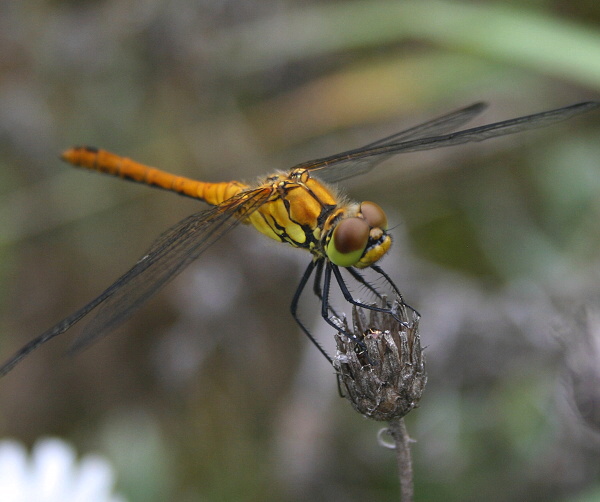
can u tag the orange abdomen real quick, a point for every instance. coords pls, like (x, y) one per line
(109, 163)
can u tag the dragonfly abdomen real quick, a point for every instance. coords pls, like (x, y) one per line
(106, 162)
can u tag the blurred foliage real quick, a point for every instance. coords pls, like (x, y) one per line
(210, 393)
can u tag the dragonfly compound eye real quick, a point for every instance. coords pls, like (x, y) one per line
(374, 215)
(348, 242)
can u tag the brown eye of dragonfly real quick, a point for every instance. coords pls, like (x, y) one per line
(374, 215)
(348, 242)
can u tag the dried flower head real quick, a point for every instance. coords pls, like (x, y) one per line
(386, 381)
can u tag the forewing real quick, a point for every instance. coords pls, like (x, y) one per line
(356, 166)
(427, 136)
(168, 256)
(441, 125)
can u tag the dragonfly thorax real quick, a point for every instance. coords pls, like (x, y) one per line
(296, 210)
(306, 213)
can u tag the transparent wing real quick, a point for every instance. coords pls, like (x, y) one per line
(355, 166)
(434, 134)
(440, 125)
(168, 256)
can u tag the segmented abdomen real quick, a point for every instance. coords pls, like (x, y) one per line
(115, 165)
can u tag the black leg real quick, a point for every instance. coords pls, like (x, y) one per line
(318, 276)
(322, 272)
(359, 278)
(317, 288)
(326, 308)
(294, 306)
(381, 272)
(348, 296)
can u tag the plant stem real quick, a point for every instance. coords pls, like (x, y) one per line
(397, 429)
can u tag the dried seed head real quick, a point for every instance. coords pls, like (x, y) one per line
(387, 380)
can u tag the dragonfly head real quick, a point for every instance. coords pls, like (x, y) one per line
(359, 240)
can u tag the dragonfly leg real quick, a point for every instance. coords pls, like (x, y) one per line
(326, 308)
(318, 291)
(318, 277)
(359, 278)
(296, 299)
(348, 296)
(381, 272)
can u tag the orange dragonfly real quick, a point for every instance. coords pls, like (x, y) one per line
(296, 207)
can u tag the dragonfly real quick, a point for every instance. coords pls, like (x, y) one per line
(299, 207)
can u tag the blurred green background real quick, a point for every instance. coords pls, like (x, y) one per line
(210, 392)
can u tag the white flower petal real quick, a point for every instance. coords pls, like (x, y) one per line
(14, 473)
(52, 470)
(95, 480)
(53, 474)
